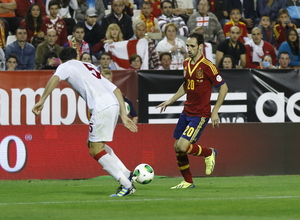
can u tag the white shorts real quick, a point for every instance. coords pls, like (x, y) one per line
(103, 123)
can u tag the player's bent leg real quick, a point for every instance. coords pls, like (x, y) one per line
(181, 145)
(183, 165)
(110, 167)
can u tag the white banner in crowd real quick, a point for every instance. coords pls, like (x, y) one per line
(121, 52)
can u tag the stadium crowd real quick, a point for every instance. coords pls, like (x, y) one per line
(238, 34)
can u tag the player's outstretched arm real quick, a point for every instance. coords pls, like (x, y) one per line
(214, 114)
(52, 83)
(180, 92)
(128, 123)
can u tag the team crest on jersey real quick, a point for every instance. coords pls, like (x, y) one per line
(219, 78)
(199, 74)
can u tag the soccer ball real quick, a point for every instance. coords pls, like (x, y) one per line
(143, 173)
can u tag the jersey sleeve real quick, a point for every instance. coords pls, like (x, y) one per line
(62, 71)
(213, 74)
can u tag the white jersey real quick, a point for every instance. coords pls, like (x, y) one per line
(84, 77)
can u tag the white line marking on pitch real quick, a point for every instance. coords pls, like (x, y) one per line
(146, 200)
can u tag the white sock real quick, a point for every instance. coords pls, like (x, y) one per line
(117, 161)
(109, 166)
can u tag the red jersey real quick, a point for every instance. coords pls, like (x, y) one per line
(241, 25)
(31, 33)
(267, 49)
(61, 30)
(280, 33)
(156, 8)
(199, 79)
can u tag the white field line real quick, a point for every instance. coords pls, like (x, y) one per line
(148, 200)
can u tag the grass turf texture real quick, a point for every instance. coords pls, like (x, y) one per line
(254, 197)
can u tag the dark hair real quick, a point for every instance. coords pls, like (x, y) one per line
(264, 15)
(294, 45)
(12, 55)
(81, 56)
(105, 53)
(284, 52)
(78, 25)
(146, 3)
(227, 56)
(30, 20)
(163, 54)
(21, 28)
(235, 9)
(133, 57)
(208, 2)
(67, 53)
(166, 1)
(54, 2)
(198, 36)
(48, 55)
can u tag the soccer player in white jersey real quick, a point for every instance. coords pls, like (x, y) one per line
(105, 102)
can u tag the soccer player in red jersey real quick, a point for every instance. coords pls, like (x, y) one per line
(199, 74)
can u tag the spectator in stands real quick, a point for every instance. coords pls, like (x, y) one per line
(167, 16)
(291, 45)
(23, 5)
(23, 50)
(128, 8)
(113, 34)
(3, 33)
(232, 46)
(84, 5)
(284, 60)
(156, 6)
(293, 8)
(34, 25)
(207, 49)
(105, 59)
(269, 8)
(91, 27)
(174, 45)
(266, 62)
(283, 25)
(266, 29)
(219, 8)
(64, 13)
(85, 57)
(8, 16)
(257, 48)
(183, 8)
(118, 17)
(108, 75)
(48, 45)
(52, 21)
(140, 32)
(135, 61)
(2, 59)
(235, 16)
(227, 62)
(207, 19)
(11, 62)
(146, 16)
(165, 60)
(77, 41)
(247, 9)
(50, 61)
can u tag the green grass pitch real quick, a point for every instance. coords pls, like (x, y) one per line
(250, 197)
